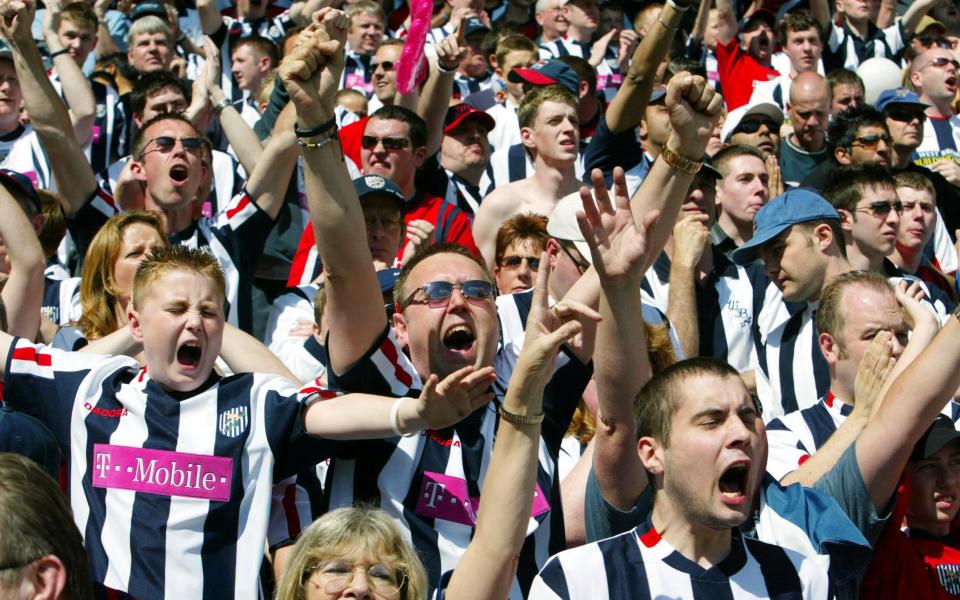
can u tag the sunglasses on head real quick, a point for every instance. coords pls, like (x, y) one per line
(166, 143)
(386, 65)
(753, 126)
(882, 208)
(369, 142)
(512, 263)
(871, 142)
(905, 115)
(942, 61)
(436, 294)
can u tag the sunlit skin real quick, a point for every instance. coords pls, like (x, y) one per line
(383, 79)
(804, 49)
(793, 264)
(172, 177)
(10, 97)
(758, 41)
(150, 52)
(874, 236)
(859, 153)
(139, 239)
(385, 227)
(555, 133)
(741, 193)
(517, 279)
(181, 309)
(78, 41)
(766, 138)
(917, 225)
(516, 59)
(844, 96)
(934, 490)
(366, 33)
(397, 165)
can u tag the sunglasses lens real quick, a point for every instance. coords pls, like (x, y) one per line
(477, 290)
(534, 264)
(438, 291)
(394, 143)
(191, 143)
(165, 142)
(368, 142)
(512, 262)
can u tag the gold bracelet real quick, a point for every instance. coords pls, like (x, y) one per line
(521, 419)
(680, 163)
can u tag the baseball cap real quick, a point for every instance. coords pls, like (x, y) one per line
(658, 95)
(475, 25)
(388, 279)
(5, 50)
(798, 205)
(926, 22)
(20, 184)
(563, 224)
(377, 184)
(900, 96)
(733, 119)
(940, 433)
(548, 72)
(144, 9)
(459, 113)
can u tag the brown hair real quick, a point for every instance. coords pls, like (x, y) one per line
(54, 223)
(518, 228)
(80, 14)
(915, 181)
(399, 294)
(722, 159)
(99, 296)
(831, 314)
(512, 43)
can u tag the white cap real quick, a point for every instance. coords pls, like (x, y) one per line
(733, 119)
(562, 224)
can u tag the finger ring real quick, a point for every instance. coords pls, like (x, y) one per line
(555, 311)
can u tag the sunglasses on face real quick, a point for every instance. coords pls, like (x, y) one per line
(871, 142)
(928, 40)
(436, 294)
(882, 209)
(753, 126)
(512, 263)
(582, 265)
(386, 65)
(166, 143)
(905, 115)
(369, 142)
(942, 61)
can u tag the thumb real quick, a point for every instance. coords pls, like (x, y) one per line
(429, 387)
(563, 334)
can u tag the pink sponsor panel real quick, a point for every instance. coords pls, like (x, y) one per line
(162, 472)
(446, 497)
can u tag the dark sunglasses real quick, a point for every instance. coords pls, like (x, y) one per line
(369, 142)
(436, 294)
(942, 61)
(166, 143)
(882, 209)
(753, 126)
(386, 65)
(928, 40)
(871, 142)
(905, 115)
(513, 262)
(582, 265)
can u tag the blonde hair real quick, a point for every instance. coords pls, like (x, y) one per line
(359, 531)
(99, 295)
(170, 259)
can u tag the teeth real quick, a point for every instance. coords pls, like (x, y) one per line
(458, 329)
(731, 494)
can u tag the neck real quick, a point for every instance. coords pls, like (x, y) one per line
(939, 108)
(861, 28)
(796, 141)
(176, 219)
(587, 109)
(861, 261)
(556, 179)
(549, 36)
(652, 148)
(703, 545)
(840, 390)
(907, 259)
(836, 265)
(579, 34)
(902, 157)
(471, 175)
(738, 232)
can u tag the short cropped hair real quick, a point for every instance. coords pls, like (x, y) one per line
(80, 14)
(847, 185)
(399, 290)
(843, 129)
(150, 84)
(831, 314)
(531, 103)
(416, 126)
(521, 227)
(141, 140)
(658, 399)
(915, 181)
(260, 45)
(368, 7)
(162, 261)
(843, 76)
(721, 159)
(513, 43)
(149, 24)
(797, 20)
(36, 521)
(584, 71)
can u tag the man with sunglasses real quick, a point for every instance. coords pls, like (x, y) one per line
(168, 160)
(756, 125)
(855, 136)
(934, 74)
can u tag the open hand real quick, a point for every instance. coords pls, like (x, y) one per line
(443, 403)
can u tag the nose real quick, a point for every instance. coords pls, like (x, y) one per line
(457, 300)
(359, 587)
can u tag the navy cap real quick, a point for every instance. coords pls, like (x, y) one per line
(458, 113)
(940, 433)
(377, 184)
(795, 206)
(902, 96)
(18, 183)
(760, 15)
(475, 25)
(388, 279)
(548, 72)
(144, 9)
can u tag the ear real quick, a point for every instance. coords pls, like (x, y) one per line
(137, 170)
(845, 219)
(400, 330)
(37, 221)
(584, 89)
(824, 236)
(642, 130)
(420, 155)
(526, 137)
(553, 253)
(842, 157)
(264, 64)
(49, 577)
(136, 327)
(829, 348)
(651, 455)
(915, 79)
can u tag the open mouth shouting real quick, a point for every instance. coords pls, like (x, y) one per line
(188, 356)
(733, 484)
(459, 338)
(179, 174)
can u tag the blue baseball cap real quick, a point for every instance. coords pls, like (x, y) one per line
(377, 184)
(388, 279)
(144, 9)
(18, 183)
(902, 96)
(548, 72)
(795, 206)
(475, 25)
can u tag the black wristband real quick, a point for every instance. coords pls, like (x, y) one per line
(59, 52)
(318, 130)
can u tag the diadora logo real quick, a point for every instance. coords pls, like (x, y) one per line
(233, 422)
(110, 413)
(162, 472)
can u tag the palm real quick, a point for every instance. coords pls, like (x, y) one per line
(620, 246)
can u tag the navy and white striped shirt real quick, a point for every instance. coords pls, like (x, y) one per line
(431, 483)
(846, 50)
(641, 564)
(109, 126)
(61, 300)
(170, 490)
(236, 237)
(357, 72)
(232, 30)
(513, 163)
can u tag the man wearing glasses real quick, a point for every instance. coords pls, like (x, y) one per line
(934, 75)
(855, 136)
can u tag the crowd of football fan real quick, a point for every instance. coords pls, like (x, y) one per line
(478, 299)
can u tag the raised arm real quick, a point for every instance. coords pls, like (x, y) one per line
(302, 12)
(820, 9)
(727, 27)
(23, 293)
(438, 89)
(241, 136)
(105, 44)
(916, 11)
(76, 87)
(691, 239)
(48, 115)
(270, 177)
(210, 18)
(626, 109)
(354, 307)
(244, 353)
(621, 364)
(487, 568)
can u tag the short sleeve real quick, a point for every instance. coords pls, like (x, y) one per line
(786, 451)
(844, 482)
(602, 520)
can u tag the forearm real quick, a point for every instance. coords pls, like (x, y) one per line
(703, 16)
(586, 290)
(664, 189)
(210, 19)
(243, 353)
(76, 91)
(727, 21)
(23, 292)
(917, 10)
(887, 13)
(361, 417)
(627, 107)
(433, 104)
(271, 174)
(820, 10)
(118, 343)
(242, 138)
(682, 308)
(824, 459)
